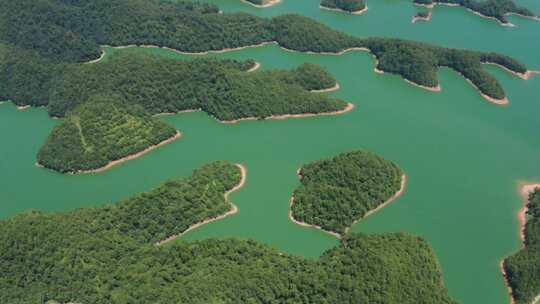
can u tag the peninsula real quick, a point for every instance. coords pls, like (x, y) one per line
(521, 269)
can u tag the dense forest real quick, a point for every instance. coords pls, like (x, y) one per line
(219, 87)
(497, 9)
(345, 5)
(523, 268)
(107, 255)
(336, 192)
(99, 131)
(46, 36)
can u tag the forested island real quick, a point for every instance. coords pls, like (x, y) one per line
(108, 255)
(522, 269)
(337, 192)
(349, 6)
(497, 9)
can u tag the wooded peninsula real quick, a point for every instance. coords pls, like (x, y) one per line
(522, 269)
(108, 255)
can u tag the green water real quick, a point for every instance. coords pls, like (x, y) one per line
(463, 156)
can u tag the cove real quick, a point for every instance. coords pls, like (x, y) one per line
(463, 156)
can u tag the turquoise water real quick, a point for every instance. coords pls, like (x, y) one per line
(463, 156)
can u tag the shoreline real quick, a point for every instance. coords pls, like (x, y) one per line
(525, 76)
(523, 190)
(331, 89)
(371, 212)
(96, 60)
(499, 102)
(151, 46)
(268, 4)
(418, 18)
(431, 89)
(125, 158)
(359, 12)
(386, 203)
(22, 108)
(233, 211)
(254, 67)
(348, 108)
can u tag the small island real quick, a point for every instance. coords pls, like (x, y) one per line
(108, 254)
(356, 7)
(336, 193)
(522, 268)
(422, 16)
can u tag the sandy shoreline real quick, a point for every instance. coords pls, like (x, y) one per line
(150, 46)
(348, 108)
(417, 18)
(499, 102)
(22, 108)
(431, 89)
(337, 235)
(234, 209)
(359, 12)
(127, 158)
(254, 68)
(389, 201)
(96, 60)
(526, 76)
(269, 4)
(331, 89)
(524, 192)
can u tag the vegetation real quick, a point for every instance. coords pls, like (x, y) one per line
(107, 255)
(219, 87)
(414, 61)
(346, 5)
(99, 132)
(497, 9)
(337, 192)
(75, 29)
(523, 268)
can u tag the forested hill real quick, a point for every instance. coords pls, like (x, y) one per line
(61, 31)
(107, 255)
(337, 192)
(497, 9)
(523, 268)
(101, 131)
